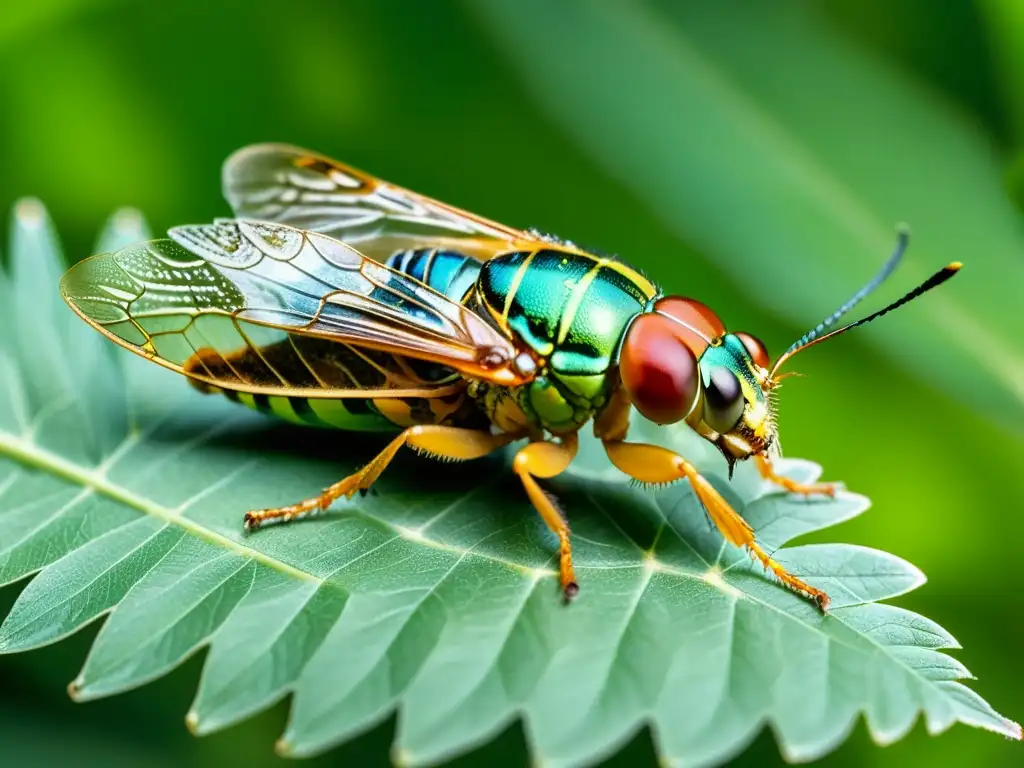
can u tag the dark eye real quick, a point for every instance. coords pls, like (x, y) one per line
(723, 400)
(756, 349)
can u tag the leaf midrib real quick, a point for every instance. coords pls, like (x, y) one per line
(28, 453)
(32, 455)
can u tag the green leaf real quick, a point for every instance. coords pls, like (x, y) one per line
(782, 150)
(122, 489)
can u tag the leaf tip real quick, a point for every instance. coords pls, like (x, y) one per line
(1010, 729)
(124, 227)
(192, 722)
(1003, 726)
(401, 757)
(283, 747)
(918, 576)
(859, 502)
(127, 219)
(75, 689)
(29, 213)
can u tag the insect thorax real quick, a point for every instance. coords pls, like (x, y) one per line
(571, 310)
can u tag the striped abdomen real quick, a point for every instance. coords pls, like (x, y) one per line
(446, 272)
(315, 363)
(355, 414)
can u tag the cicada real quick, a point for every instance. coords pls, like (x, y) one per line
(336, 299)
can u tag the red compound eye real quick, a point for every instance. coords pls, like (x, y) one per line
(695, 323)
(758, 352)
(659, 370)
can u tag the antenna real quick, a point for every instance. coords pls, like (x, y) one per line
(902, 239)
(812, 337)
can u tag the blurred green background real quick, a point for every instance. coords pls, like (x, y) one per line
(106, 103)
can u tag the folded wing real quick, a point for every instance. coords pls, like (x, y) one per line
(214, 295)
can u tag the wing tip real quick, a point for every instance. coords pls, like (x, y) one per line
(243, 155)
(240, 164)
(75, 271)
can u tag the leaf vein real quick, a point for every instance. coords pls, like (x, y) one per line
(33, 455)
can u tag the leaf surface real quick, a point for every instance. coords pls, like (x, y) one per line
(122, 489)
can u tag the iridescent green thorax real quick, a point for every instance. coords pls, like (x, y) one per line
(571, 310)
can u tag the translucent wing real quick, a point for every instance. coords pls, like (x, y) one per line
(276, 182)
(269, 308)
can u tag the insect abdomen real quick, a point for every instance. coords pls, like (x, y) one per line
(310, 362)
(379, 414)
(446, 272)
(351, 414)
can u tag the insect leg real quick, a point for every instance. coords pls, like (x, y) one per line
(544, 459)
(654, 464)
(764, 466)
(448, 443)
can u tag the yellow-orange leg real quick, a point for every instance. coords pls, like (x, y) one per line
(653, 464)
(764, 466)
(545, 460)
(441, 442)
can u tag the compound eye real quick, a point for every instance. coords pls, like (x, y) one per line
(756, 349)
(695, 323)
(723, 400)
(659, 372)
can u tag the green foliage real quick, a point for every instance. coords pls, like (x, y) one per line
(819, 153)
(123, 489)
